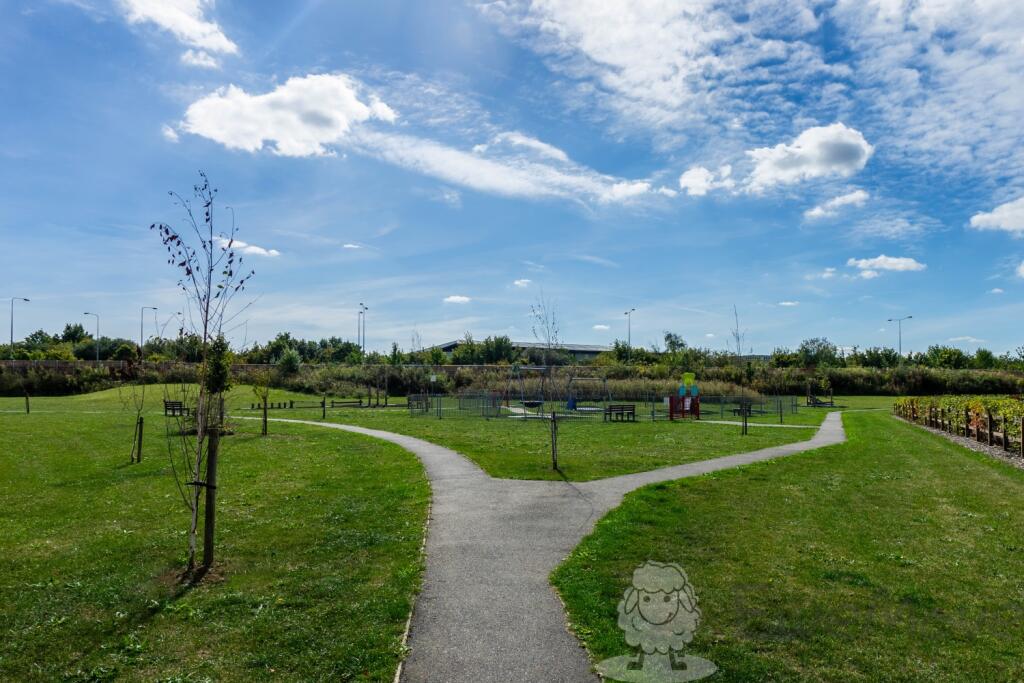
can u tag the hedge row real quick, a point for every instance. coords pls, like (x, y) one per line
(954, 413)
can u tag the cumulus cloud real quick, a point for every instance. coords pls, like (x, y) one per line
(826, 274)
(698, 181)
(203, 60)
(186, 20)
(457, 299)
(601, 328)
(870, 267)
(789, 304)
(522, 284)
(246, 248)
(832, 206)
(819, 152)
(301, 117)
(169, 133)
(1008, 217)
(316, 114)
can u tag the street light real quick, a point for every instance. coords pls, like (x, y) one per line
(899, 325)
(142, 314)
(629, 334)
(97, 342)
(13, 299)
(361, 322)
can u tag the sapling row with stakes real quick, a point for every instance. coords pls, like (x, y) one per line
(211, 275)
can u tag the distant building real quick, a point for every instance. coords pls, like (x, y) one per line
(577, 351)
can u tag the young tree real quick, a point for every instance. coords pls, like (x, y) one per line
(211, 275)
(545, 324)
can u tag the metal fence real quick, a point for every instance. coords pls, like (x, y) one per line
(651, 408)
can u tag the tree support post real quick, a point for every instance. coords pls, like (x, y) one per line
(554, 440)
(209, 524)
(140, 429)
(263, 430)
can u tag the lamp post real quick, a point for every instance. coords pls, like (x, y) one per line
(13, 299)
(629, 334)
(899, 326)
(97, 341)
(142, 314)
(361, 335)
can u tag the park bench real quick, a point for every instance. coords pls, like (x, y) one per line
(175, 408)
(620, 412)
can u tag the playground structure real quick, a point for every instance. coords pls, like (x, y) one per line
(536, 393)
(814, 402)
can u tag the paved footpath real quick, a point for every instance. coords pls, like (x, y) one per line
(486, 611)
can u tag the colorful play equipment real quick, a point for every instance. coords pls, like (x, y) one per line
(687, 401)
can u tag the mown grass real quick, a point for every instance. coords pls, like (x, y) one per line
(897, 556)
(319, 538)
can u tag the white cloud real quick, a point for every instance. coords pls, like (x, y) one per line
(299, 118)
(789, 303)
(457, 299)
(826, 274)
(698, 181)
(596, 260)
(169, 133)
(602, 328)
(996, 290)
(350, 245)
(1020, 269)
(869, 274)
(246, 248)
(519, 139)
(203, 60)
(522, 283)
(311, 115)
(185, 19)
(832, 206)
(710, 335)
(883, 262)
(967, 340)
(818, 152)
(1008, 217)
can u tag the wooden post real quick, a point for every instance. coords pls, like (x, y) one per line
(1006, 433)
(780, 410)
(138, 440)
(991, 439)
(323, 408)
(1022, 436)
(745, 412)
(967, 423)
(554, 440)
(209, 524)
(28, 408)
(263, 430)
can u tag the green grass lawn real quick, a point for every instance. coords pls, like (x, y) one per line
(319, 537)
(517, 449)
(897, 556)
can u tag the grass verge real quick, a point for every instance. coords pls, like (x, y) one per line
(319, 535)
(894, 556)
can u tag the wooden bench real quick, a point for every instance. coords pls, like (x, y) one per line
(620, 412)
(175, 409)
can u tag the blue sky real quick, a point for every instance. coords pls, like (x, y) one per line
(823, 166)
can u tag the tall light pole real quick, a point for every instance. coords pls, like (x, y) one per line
(13, 299)
(899, 326)
(97, 341)
(142, 314)
(629, 334)
(363, 308)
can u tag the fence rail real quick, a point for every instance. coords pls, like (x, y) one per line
(984, 426)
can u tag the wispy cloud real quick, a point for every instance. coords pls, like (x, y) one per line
(789, 304)
(601, 327)
(457, 299)
(967, 339)
(351, 245)
(832, 206)
(596, 260)
(826, 274)
(996, 290)
(246, 248)
(522, 283)
(169, 133)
